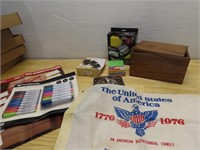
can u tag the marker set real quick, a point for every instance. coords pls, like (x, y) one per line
(22, 102)
(38, 98)
(57, 94)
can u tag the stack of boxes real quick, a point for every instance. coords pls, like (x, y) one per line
(12, 47)
(116, 68)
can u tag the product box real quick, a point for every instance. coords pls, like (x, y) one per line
(120, 42)
(116, 68)
(12, 47)
(160, 61)
(91, 67)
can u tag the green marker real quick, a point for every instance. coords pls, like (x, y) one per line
(7, 115)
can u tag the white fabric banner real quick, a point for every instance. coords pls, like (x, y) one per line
(113, 117)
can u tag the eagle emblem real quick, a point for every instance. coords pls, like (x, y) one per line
(137, 119)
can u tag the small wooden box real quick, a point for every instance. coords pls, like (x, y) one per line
(159, 61)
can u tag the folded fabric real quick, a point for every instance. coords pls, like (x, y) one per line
(114, 117)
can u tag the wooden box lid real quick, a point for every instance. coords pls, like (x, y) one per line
(161, 49)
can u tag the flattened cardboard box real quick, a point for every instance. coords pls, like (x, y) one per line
(12, 47)
(12, 54)
(6, 34)
(10, 20)
(10, 64)
(160, 61)
(9, 44)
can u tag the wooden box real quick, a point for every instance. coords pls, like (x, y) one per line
(20, 134)
(159, 61)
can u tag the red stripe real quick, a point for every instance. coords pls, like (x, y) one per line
(137, 119)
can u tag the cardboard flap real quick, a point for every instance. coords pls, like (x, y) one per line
(6, 35)
(161, 49)
(10, 20)
(12, 54)
(12, 43)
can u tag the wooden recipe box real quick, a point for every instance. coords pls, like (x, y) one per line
(159, 61)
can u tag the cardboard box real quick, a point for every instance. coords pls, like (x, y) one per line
(12, 47)
(12, 54)
(6, 34)
(7, 66)
(10, 20)
(116, 68)
(160, 61)
(120, 42)
(91, 67)
(11, 43)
